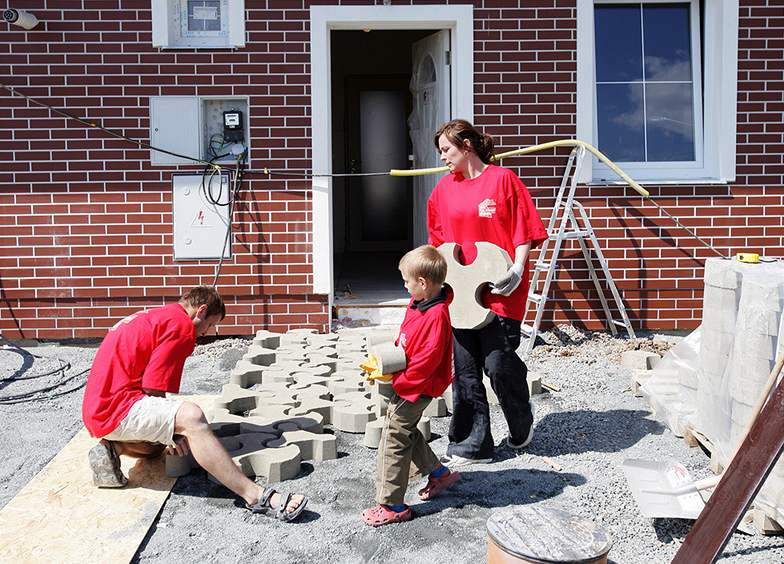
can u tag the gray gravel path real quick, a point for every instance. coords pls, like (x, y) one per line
(583, 433)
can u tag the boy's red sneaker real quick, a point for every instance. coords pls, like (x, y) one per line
(435, 486)
(383, 515)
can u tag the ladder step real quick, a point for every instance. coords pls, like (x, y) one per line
(576, 234)
(536, 298)
(526, 329)
(618, 323)
(544, 265)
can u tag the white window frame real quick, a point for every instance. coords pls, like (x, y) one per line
(167, 35)
(716, 160)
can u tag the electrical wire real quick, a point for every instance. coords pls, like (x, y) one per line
(208, 175)
(233, 197)
(689, 231)
(95, 125)
(306, 174)
(31, 395)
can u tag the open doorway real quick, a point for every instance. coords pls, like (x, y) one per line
(386, 102)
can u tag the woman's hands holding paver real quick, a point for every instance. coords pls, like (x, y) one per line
(510, 281)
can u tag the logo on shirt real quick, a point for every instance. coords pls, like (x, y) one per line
(487, 208)
(128, 319)
(402, 340)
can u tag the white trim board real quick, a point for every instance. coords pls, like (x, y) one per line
(457, 18)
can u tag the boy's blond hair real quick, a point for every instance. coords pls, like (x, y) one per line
(424, 261)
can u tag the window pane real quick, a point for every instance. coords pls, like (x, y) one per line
(204, 15)
(670, 121)
(618, 43)
(620, 121)
(667, 44)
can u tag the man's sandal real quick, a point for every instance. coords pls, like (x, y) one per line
(264, 507)
(435, 486)
(383, 515)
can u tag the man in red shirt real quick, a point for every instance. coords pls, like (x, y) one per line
(125, 403)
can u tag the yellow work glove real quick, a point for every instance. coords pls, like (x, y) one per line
(372, 373)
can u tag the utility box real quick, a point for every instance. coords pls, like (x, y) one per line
(174, 126)
(201, 216)
(193, 126)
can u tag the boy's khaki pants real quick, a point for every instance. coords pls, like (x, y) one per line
(401, 444)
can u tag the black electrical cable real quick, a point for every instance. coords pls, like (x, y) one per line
(28, 396)
(233, 197)
(208, 175)
(64, 366)
(83, 121)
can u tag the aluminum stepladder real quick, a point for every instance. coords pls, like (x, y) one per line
(565, 225)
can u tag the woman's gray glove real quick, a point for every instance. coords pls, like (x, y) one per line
(509, 283)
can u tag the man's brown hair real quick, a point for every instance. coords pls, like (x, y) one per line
(202, 295)
(424, 261)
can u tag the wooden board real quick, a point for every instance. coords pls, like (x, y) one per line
(740, 483)
(59, 516)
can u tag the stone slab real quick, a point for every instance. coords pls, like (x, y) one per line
(468, 281)
(640, 360)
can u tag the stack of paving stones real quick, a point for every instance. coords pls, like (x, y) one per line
(721, 299)
(742, 336)
(286, 388)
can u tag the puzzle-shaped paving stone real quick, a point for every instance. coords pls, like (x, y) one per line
(287, 386)
(468, 282)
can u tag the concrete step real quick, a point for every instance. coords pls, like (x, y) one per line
(371, 308)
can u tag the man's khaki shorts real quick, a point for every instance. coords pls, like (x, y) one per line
(150, 419)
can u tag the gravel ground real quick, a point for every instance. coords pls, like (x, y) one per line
(583, 433)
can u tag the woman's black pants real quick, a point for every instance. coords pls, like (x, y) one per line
(489, 350)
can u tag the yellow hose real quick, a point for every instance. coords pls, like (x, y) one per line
(533, 149)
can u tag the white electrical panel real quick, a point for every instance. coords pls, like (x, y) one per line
(193, 126)
(194, 24)
(174, 126)
(200, 226)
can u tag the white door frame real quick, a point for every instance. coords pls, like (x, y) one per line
(457, 18)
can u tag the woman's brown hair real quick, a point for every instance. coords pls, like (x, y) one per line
(459, 130)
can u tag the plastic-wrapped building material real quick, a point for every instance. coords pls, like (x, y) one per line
(671, 389)
(711, 381)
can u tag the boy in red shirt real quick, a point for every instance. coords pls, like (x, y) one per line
(125, 403)
(426, 338)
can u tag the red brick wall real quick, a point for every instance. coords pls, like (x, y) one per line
(85, 221)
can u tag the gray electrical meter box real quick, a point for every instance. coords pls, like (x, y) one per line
(200, 226)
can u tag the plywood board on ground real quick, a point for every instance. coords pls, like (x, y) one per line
(59, 516)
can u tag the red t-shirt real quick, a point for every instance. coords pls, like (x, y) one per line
(146, 350)
(494, 207)
(426, 338)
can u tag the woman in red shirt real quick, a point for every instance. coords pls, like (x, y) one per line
(479, 201)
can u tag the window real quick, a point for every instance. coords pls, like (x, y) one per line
(647, 97)
(203, 17)
(198, 24)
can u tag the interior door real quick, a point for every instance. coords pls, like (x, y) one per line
(379, 214)
(430, 90)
